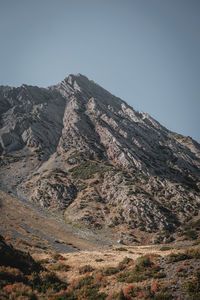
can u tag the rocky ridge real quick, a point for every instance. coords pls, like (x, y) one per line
(78, 150)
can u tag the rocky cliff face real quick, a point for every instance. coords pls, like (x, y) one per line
(78, 149)
(31, 117)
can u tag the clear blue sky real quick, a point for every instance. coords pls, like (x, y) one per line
(147, 52)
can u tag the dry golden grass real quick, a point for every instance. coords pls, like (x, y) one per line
(110, 258)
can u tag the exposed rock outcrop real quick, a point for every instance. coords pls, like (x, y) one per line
(95, 159)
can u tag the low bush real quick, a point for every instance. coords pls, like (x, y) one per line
(178, 257)
(192, 287)
(44, 281)
(110, 271)
(143, 270)
(165, 248)
(58, 256)
(195, 253)
(195, 225)
(121, 266)
(195, 243)
(189, 254)
(17, 291)
(191, 234)
(86, 288)
(85, 269)
(99, 260)
(130, 291)
(121, 249)
(87, 169)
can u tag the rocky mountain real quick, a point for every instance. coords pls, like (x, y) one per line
(85, 154)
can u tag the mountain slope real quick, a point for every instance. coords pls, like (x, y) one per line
(85, 154)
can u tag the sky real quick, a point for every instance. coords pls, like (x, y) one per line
(146, 52)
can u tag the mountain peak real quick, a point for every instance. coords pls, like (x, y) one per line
(74, 146)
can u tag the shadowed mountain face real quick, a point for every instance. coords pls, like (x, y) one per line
(77, 149)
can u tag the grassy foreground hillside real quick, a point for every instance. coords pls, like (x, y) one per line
(128, 272)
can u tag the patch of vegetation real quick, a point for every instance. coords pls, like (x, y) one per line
(45, 281)
(189, 254)
(17, 290)
(22, 277)
(125, 261)
(143, 270)
(99, 260)
(86, 288)
(75, 157)
(165, 248)
(9, 158)
(58, 256)
(131, 291)
(192, 287)
(121, 266)
(195, 243)
(85, 269)
(110, 271)
(43, 261)
(195, 225)
(121, 249)
(86, 170)
(190, 234)
(173, 257)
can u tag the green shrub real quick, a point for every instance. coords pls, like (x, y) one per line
(86, 289)
(85, 269)
(191, 234)
(87, 169)
(165, 248)
(193, 225)
(58, 256)
(121, 249)
(110, 271)
(189, 254)
(60, 267)
(126, 261)
(192, 287)
(178, 257)
(87, 280)
(195, 243)
(99, 260)
(17, 291)
(46, 281)
(92, 293)
(143, 270)
(195, 253)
